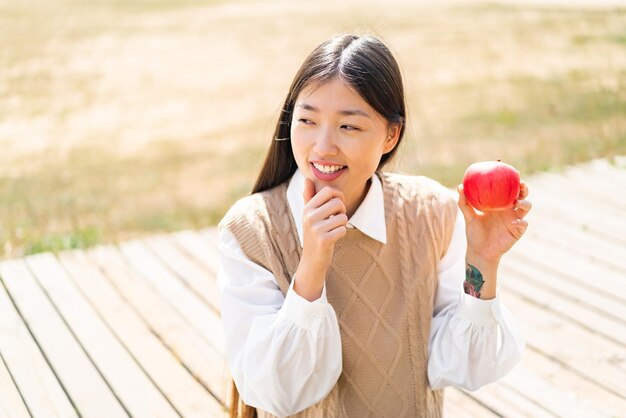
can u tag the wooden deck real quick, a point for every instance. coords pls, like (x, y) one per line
(133, 330)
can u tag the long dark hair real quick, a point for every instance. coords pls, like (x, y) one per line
(362, 62)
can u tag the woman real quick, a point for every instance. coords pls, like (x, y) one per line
(342, 285)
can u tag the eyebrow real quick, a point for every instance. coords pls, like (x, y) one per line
(348, 112)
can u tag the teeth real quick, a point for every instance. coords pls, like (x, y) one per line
(327, 169)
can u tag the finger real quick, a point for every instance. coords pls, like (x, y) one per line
(522, 208)
(330, 229)
(523, 190)
(309, 190)
(334, 206)
(520, 226)
(334, 222)
(337, 233)
(466, 209)
(324, 195)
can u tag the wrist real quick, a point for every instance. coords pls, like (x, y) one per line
(309, 280)
(485, 261)
(314, 266)
(485, 266)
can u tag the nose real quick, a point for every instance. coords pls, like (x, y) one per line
(326, 143)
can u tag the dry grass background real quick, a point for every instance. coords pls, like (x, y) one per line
(123, 118)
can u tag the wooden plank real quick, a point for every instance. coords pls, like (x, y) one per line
(211, 239)
(584, 190)
(83, 383)
(579, 243)
(561, 188)
(36, 381)
(594, 281)
(458, 404)
(195, 245)
(187, 395)
(212, 234)
(556, 293)
(11, 403)
(563, 342)
(594, 278)
(542, 290)
(544, 395)
(202, 360)
(133, 388)
(580, 212)
(30, 369)
(609, 251)
(172, 289)
(600, 192)
(561, 285)
(577, 240)
(565, 380)
(599, 182)
(195, 275)
(508, 403)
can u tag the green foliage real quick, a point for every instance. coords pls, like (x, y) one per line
(83, 238)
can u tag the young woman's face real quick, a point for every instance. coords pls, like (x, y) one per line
(338, 139)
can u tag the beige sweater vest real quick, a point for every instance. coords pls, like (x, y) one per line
(383, 295)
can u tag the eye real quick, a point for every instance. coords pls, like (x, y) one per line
(306, 121)
(350, 128)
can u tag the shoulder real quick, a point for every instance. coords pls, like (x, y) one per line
(242, 211)
(250, 208)
(425, 204)
(253, 210)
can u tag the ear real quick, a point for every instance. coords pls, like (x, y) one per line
(393, 135)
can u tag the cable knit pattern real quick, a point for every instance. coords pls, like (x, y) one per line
(383, 295)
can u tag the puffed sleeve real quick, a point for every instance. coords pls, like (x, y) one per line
(284, 352)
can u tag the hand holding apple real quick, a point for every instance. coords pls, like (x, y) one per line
(495, 189)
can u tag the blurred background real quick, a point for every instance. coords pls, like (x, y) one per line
(122, 118)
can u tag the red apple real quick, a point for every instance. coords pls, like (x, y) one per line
(491, 185)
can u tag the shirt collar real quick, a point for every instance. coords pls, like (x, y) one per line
(369, 218)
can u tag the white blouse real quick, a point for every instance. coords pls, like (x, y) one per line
(284, 352)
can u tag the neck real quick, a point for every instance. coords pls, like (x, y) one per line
(353, 203)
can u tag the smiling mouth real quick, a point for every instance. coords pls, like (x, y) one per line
(328, 172)
(328, 169)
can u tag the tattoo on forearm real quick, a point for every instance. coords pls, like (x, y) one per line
(473, 281)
